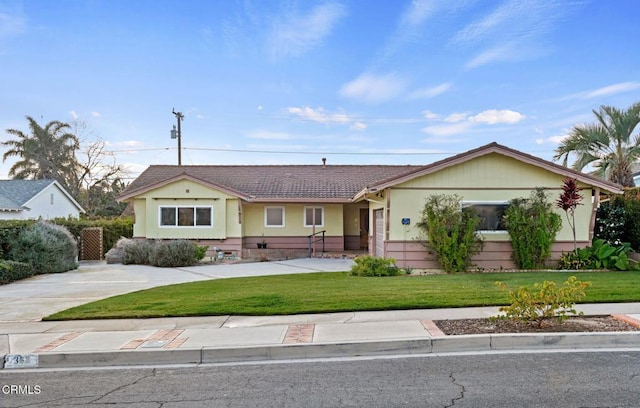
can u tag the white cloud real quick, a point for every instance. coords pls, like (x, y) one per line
(501, 53)
(374, 88)
(359, 126)
(318, 115)
(321, 116)
(417, 13)
(296, 34)
(456, 117)
(461, 122)
(447, 130)
(431, 115)
(613, 89)
(96, 114)
(493, 116)
(74, 115)
(513, 31)
(427, 93)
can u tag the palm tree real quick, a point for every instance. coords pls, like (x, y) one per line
(610, 144)
(44, 153)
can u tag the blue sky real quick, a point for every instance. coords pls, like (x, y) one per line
(289, 82)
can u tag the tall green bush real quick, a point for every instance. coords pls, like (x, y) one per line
(49, 248)
(450, 232)
(618, 220)
(533, 226)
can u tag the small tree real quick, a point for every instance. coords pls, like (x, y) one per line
(569, 199)
(450, 232)
(533, 227)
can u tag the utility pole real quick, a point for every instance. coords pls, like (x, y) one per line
(178, 134)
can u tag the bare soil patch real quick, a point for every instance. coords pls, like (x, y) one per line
(572, 324)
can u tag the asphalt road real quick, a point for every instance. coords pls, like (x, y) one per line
(548, 379)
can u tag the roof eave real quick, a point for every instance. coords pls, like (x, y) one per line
(183, 176)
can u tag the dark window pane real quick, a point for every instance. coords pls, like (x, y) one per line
(203, 216)
(491, 216)
(168, 216)
(185, 216)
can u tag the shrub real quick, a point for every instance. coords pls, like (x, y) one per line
(201, 251)
(47, 247)
(9, 231)
(371, 266)
(600, 255)
(450, 232)
(135, 251)
(12, 271)
(533, 227)
(618, 220)
(174, 253)
(544, 301)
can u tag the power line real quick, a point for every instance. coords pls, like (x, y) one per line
(216, 149)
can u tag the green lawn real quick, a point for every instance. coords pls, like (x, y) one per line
(336, 292)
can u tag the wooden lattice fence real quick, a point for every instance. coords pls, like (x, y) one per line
(92, 244)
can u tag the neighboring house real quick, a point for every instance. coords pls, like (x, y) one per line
(370, 207)
(34, 199)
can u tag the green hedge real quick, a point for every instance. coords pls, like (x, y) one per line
(112, 230)
(12, 271)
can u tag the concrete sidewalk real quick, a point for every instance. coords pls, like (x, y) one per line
(25, 341)
(218, 339)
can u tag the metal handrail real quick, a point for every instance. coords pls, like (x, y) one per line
(315, 240)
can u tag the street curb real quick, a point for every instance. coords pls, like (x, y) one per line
(211, 355)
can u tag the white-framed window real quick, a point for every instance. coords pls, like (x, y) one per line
(186, 216)
(274, 217)
(491, 214)
(314, 215)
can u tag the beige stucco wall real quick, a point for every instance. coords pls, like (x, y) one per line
(186, 193)
(253, 222)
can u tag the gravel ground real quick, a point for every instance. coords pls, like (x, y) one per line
(572, 324)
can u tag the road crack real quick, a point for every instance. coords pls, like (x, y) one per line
(462, 391)
(144, 377)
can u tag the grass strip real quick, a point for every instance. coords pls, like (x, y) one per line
(339, 292)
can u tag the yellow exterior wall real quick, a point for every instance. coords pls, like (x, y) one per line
(186, 193)
(253, 222)
(491, 178)
(352, 218)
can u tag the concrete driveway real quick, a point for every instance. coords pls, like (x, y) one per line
(34, 298)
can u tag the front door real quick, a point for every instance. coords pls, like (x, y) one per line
(364, 228)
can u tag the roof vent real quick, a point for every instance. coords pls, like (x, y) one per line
(324, 161)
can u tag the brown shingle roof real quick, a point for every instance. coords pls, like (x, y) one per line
(272, 183)
(340, 183)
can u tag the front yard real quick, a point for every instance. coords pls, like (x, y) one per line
(338, 292)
